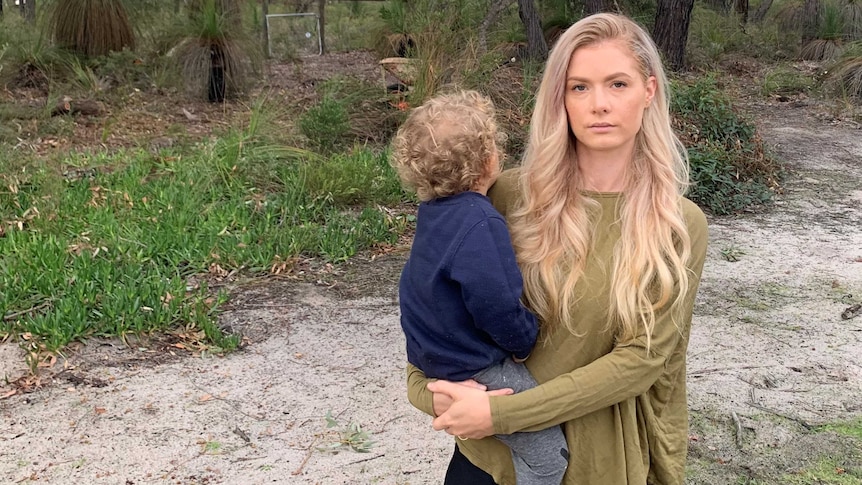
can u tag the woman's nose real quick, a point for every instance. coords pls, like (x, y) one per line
(600, 101)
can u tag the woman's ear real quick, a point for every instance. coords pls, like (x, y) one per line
(651, 85)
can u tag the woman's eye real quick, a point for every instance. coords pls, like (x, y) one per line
(619, 84)
(579, 87)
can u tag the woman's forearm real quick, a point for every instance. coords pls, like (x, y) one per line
(417, 392)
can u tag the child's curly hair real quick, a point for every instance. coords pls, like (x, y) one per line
(444, 147)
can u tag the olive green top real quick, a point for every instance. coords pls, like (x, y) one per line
(623, 409)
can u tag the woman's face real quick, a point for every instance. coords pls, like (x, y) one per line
(606, 97)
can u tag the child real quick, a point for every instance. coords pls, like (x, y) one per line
(460, 291)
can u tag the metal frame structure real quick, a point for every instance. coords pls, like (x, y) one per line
(269, 31)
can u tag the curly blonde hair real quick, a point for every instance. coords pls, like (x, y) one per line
(444, 146)
(551, 231)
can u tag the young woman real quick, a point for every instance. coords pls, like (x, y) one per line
(611, 255)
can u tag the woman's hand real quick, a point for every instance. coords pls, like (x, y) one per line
(442, 401)
(468, 414)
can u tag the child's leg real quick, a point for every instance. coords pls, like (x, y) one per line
(540, 457)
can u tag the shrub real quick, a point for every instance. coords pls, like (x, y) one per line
(713, 34)
(730, 170)
(360, 177)
(326, 124)
(786, 80)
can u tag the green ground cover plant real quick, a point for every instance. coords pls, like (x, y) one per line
(99, 244)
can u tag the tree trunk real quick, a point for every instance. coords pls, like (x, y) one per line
(672, 19)
(537, 48)
(321, 7)
(30, 11)
(265, 36)
(596, 6)
(718, 5)
(760, 14)
(810, 19)
(740, 8)
(177, 6)
(216, 86)
(497, 7)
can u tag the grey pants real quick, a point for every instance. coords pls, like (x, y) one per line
(540, 457)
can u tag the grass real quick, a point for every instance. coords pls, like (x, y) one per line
(786, 80)
(850, 428)
(731, 253)
(827, 471)
(106, 249)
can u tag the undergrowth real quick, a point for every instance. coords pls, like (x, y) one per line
(730, 170)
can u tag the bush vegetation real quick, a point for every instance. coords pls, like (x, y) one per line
(107, 242)
(730, 170)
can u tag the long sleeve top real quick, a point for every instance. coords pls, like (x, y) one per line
(460, 290)
(623, 408)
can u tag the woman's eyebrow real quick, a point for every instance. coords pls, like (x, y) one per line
(615, 75)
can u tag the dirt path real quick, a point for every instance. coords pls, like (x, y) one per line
(770, 359)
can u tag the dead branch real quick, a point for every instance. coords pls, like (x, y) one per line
(738, 429)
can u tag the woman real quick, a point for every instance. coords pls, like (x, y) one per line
(611, 255)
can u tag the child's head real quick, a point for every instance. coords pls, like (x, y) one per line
(448, 146)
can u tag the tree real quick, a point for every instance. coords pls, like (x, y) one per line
(265, 12)
(497, 7)
(672, 19)
(760, 14)
(29, 11)
(215, 57)
(740, 8)
(810, 20)
(596, 6)
(91, 27)
(537, 47)
(321, 8)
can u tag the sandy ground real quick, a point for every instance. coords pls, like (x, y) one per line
(770, 360)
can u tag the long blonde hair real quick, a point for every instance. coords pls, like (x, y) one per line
(551, 230)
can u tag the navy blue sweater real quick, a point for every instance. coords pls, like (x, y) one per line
(460, 290)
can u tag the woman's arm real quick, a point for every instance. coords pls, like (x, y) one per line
(417, 391)
(437, 403)
(627, 371)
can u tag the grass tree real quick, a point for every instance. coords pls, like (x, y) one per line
(92, 27)
(845, 76)
(215, 57)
